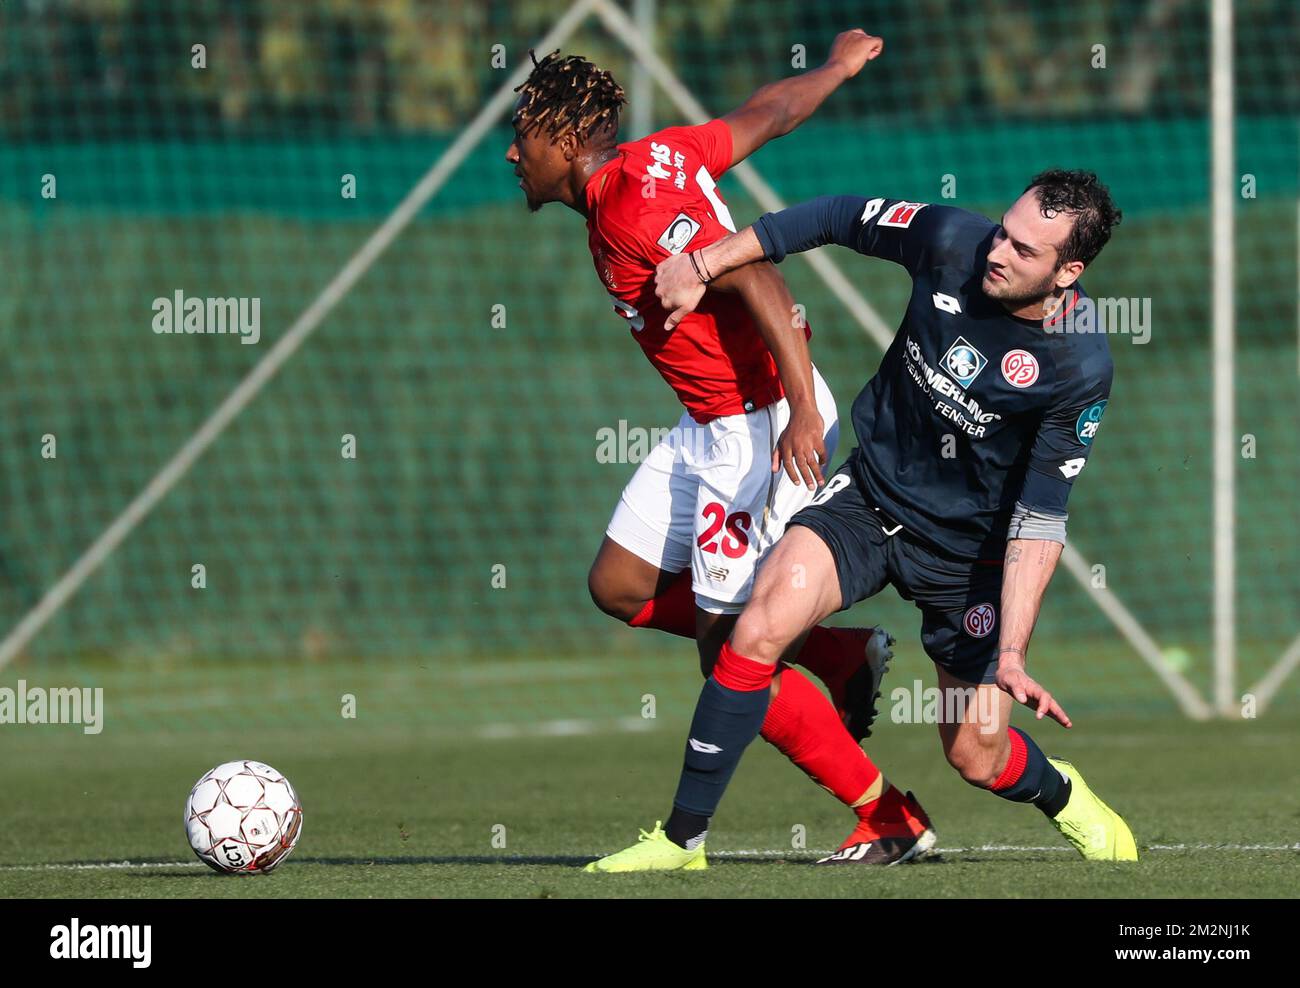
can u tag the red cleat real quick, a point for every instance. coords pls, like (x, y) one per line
(896, 830)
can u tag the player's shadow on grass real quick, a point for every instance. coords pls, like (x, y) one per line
(162, 868)
(154, 870)
(178, 870)
(431, 859)
(516, 859)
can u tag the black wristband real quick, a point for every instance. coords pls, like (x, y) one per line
(695, 266)
(707, 276)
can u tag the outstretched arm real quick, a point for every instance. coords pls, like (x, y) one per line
(680, 280)
(779, 107)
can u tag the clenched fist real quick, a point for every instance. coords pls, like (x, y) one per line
(853, 49)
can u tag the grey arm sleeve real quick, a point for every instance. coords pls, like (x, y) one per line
(1028, 523)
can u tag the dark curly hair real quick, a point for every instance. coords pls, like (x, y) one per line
(569, 93)
(1081, 194)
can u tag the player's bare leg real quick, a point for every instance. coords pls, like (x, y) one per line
(850, 661)
(795, 588)
(621, 583)
(713, 630)
(990, 754)
(979, 745)
(852, 676)
(802, 724)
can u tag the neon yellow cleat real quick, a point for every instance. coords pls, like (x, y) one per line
(652, 852)
(1096, 831)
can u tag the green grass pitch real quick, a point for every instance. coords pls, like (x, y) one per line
(401, 805)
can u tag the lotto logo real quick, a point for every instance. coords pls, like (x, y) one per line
(946, 303)
(1019, 368)
(979, 620)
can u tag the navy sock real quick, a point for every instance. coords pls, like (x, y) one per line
(686, 830)
(1030, 778)
(726, 721)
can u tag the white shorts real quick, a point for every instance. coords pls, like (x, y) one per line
(706, 497)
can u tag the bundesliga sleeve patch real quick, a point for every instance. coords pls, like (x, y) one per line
(901, 214)
(679, 234)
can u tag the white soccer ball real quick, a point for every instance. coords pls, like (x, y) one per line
(243, 817)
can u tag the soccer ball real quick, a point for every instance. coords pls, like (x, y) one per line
(243, 817)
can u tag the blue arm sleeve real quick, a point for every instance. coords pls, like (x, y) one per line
(906, 233)
(824, 220)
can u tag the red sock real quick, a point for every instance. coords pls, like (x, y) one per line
(672, 611)
(825, 654)
(802, 724)
(739, 672)
(1016, 762)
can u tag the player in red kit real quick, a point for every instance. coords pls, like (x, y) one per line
(701, 511)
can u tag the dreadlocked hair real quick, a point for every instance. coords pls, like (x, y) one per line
(570, 93)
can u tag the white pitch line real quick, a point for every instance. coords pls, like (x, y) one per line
(1224, 847)
(724, 855)
(104, 866)
(1016, 849)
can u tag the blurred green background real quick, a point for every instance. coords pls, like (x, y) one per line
(476, 442)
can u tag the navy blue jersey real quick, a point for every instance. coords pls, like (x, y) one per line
(972, 409)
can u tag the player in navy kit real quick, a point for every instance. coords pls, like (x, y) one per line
(971, 433)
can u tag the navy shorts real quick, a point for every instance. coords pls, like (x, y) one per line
(958, 599)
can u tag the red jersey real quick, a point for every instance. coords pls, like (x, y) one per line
(658, 198)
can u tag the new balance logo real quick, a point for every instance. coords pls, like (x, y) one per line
(704, 747)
